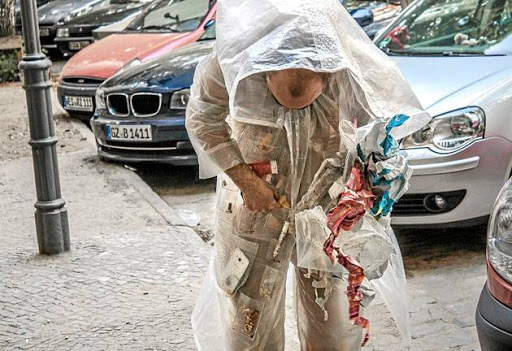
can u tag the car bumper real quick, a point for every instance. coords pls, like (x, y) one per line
(64, 43)
(470, 179)
(170, 142)
(493, 323)
(87, 90)
(48, 41)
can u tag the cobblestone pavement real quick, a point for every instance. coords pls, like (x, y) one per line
(129, 282)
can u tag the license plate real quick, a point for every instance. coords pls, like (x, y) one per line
(78, 103)
(44, 32)
(78, 45)
(129, 132)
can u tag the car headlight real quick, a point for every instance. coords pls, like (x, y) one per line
(100, 99)
(499, 244)
(450, 131)
(63, 32)
(179, 99)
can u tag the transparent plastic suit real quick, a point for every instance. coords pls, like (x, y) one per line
(233, 118)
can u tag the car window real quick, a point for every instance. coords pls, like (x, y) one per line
(452, 27)
(209, 34)
(173, 15)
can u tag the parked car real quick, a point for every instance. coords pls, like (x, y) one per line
(457, 57)
(164, 26)
(494, 309)
(76, 34)
(140, 113)
(58, 12)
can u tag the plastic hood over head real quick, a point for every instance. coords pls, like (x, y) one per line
(271, 35)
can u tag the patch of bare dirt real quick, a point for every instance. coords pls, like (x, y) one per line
(14, 131)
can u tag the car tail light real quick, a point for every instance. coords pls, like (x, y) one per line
(499, 244)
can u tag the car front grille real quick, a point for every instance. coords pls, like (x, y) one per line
(118, 104)
(145, 104)
(138, 104)
(424, 204)
(83, 81)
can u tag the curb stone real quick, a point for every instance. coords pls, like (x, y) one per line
(145, 190)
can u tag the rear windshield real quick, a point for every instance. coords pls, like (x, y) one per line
(172, 15)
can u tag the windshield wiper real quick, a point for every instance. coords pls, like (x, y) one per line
(160, 27)
(392, 52)
(451, 53)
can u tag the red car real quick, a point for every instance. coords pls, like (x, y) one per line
(161, 28)
(494, 310)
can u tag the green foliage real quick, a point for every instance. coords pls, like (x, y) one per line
(8, 66)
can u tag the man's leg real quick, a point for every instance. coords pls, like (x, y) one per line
(335, 334)
(253, 317)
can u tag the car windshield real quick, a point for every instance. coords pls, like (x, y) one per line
(452, 27)
(172, 15)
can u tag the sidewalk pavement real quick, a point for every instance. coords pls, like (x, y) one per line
(130, 280)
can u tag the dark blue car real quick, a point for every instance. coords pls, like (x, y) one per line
(140, 113)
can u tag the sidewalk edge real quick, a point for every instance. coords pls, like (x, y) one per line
(147, 193)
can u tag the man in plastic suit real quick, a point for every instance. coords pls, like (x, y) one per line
(285, 89)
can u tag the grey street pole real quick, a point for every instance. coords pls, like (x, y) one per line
(51, 215)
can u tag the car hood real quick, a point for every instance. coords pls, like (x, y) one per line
(105, 57)
(106, 15)
(56, 10)
(172, 71)
(455, 81)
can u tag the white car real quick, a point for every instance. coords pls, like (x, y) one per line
(457, 56)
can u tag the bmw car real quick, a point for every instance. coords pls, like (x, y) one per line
(140, 114)
(457, 56)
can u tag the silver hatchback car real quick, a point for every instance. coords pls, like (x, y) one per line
(457, 56)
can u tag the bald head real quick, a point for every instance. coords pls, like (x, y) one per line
(296, 88)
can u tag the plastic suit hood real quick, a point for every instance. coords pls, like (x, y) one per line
(271, 35)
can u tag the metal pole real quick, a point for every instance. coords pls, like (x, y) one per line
(51, 215)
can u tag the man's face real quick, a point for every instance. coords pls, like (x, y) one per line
(296, 89)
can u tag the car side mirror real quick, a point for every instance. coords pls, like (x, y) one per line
(208, 24)
(463, 21)
(363, 17)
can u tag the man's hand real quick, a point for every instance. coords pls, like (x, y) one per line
(258, 195)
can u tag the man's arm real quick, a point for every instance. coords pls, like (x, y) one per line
(211, 136)
(206, 120)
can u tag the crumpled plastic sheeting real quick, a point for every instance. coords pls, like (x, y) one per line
(352, 237)
(368, 243)
(387, 169)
